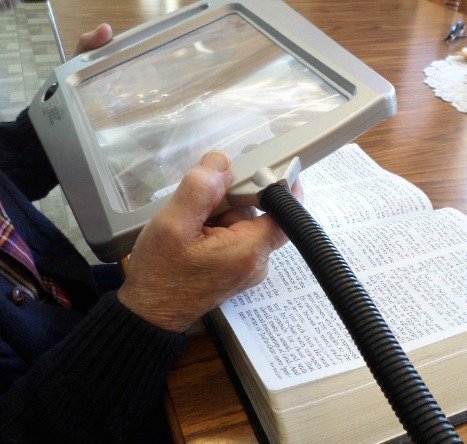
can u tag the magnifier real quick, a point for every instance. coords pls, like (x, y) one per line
(122, 124)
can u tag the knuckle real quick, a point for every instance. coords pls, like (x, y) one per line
(253, 262)
(279, 240)
(166, 230)
(253, 274)
(198, 181)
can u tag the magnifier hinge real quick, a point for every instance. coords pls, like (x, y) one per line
(249, 193)
(264, 177)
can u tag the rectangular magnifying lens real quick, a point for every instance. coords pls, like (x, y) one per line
(122, 124)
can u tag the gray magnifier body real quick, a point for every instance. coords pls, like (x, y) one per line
(123, 123)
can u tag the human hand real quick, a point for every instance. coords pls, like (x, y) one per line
(180, 268)
(94, 39)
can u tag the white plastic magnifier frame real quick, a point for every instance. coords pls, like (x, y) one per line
(73, 139)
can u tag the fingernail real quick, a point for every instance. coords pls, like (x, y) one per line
(97, 29)
(216, 160)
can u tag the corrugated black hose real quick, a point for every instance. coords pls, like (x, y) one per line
(408, 395)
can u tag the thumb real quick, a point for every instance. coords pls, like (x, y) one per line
(200, 192)
(94, 39)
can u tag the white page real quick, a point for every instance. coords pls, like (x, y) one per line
(293, 335)
(348, 187)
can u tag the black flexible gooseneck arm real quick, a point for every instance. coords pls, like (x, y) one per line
(417, 410)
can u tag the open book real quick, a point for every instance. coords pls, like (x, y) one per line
(303, 374)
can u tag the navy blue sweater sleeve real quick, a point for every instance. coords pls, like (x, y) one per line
(23, 159)
(97, 385)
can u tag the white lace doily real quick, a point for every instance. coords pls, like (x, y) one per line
(448, 78)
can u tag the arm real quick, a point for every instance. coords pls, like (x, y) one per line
(23, 159)
(95, 386)
(99, 383)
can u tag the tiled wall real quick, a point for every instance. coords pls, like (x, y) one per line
(28, 54)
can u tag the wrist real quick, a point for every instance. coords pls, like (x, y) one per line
(144, 307)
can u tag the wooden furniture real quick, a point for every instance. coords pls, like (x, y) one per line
(456, 5)
(426, 142)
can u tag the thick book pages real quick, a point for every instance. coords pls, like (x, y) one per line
(303, 374)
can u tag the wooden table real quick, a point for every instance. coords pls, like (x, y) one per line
(426, 143)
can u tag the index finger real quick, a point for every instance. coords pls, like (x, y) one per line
(263, 232)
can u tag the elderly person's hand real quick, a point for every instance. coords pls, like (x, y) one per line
(94, 39)
(180, 268)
